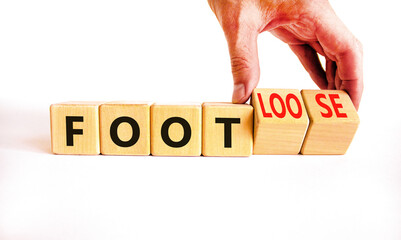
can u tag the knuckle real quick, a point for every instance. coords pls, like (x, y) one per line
(239, 65)
(357, 47)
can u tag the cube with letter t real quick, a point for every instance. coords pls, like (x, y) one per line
(227, 129)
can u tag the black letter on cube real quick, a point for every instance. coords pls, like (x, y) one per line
(135, 132)
(70, 131)
(227, 129)
(187, 132)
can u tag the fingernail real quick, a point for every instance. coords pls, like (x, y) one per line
(239, 93)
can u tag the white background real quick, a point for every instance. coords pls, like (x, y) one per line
(54, 51)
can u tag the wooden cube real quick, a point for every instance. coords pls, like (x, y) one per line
(333, 122)
(75, 127)
(176, 129)
(280, 121)
(227, 129)
(125, 128)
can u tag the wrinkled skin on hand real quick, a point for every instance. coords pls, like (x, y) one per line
(309, 27)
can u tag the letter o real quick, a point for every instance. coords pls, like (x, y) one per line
(287, 101)
(135, 132)
(276, 96)
(187, 132)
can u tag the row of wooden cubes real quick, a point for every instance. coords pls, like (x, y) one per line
(279, 121)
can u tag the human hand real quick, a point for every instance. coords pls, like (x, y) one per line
(307, 26)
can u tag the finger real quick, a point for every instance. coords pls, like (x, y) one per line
(243, 50)
(337, 81)
(331, 74)
(309, 59)
(354, 89)
(351, 73)
(318, 48)
(342, 47)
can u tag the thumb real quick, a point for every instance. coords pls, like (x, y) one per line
(244, 63)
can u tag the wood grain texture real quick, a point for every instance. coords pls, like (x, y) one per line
(174, 120)
(82, 120)
(125, 128)
(280, 121)
(227, 129)
(333, 122)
